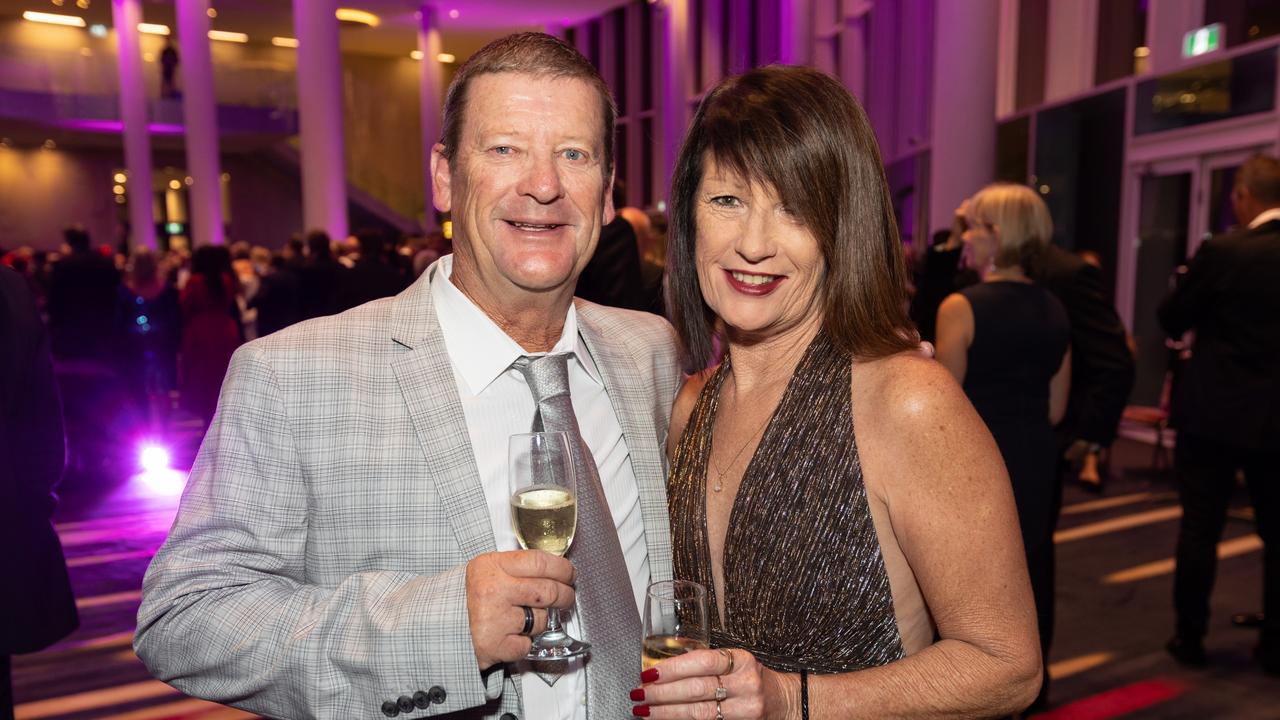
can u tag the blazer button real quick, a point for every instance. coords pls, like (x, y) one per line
(437, 694)
(390, 709)
(508, 716)
(406, 704)
(421, 700)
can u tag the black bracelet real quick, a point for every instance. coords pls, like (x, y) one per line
(804, 695)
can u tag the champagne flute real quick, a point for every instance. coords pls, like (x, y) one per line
(675, 621)
(544, 511)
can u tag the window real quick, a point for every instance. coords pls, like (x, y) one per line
(1244, 20)
(1033, 39)
(1206, 93)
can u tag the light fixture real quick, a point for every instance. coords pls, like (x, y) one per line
(121, 177)
(120, 200)
(82, 4)
(53, 18)
(284, 42)
(226, 177)
(416, 55)
(1141, 52)
(211, 13)
(360, 17)
(50, 145)
(453, 14)
(153, 29)
(118, 189)
(58, 3)
(98, 30)
(446, 58)
(175, 184)
(188, 180)
(225, 36)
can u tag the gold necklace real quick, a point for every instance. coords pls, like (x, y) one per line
(719, 484)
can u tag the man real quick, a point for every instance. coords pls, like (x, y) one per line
(614, 277)
(1225, 405)
(36, 604)
(1102, 366)
(344, 547)
(82, 300)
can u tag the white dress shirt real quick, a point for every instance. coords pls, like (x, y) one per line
(1265, 216)
(497, 404)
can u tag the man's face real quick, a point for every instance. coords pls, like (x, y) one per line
(526, 187)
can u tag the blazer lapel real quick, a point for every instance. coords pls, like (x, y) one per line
(632, 399)
(430, 392)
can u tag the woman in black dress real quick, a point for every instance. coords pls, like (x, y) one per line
(1007, 341)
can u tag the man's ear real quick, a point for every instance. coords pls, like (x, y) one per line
(441, 180)
(609, 210)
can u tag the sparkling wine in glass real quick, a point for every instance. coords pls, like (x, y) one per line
(675, 621)
(544, 511)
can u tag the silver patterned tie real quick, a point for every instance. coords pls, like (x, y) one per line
(606, 602)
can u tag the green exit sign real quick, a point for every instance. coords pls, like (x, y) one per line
(1202, 40)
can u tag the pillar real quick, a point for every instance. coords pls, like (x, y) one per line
(675, 82)
(431, 94)
(200, 117)
(126, 14)
(324, 180)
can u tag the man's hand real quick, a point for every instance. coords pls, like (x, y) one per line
(498, 585)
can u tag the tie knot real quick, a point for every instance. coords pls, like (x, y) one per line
(547, 375)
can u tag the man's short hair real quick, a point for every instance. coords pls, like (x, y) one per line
(1260, 175)
(532, 53)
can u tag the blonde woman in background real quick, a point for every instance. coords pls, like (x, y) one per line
(1007, 340)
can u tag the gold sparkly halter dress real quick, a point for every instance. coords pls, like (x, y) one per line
(805, 584)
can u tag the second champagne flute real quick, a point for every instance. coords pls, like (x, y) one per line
(675, 620)
(544, 511)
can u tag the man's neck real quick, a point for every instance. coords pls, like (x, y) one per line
(535, 323)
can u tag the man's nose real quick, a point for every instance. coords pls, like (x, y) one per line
(541, 181)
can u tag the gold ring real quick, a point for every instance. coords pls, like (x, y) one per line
(729, 655)
(721, 692)
(719, 712)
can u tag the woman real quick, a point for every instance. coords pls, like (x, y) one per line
(832, 548)
(150, 328)
(1006, 339)
(211, 331)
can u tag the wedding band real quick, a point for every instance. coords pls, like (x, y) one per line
(721, 692)
(719, 712)
(528, 620)
(728, 654)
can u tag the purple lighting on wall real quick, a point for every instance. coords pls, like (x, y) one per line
(116, 126)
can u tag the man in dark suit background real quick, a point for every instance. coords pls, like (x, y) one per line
(1227, 404)
(1102, 366)
(82, 300)
(36, 604)
(372, 276)
(613, 275)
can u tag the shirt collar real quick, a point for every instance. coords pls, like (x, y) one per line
(479, 350)
(1265, 216)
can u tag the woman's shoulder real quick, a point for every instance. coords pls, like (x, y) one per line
(905, 392)
(686, 400)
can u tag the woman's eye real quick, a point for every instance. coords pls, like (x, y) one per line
(726, 201)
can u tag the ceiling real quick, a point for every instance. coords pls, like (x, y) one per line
(477, 21)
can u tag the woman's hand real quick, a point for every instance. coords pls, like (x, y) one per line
(686, 687)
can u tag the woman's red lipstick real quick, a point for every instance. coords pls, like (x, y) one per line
(757, 290)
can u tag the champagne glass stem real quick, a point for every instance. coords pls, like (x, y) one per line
(553, 620)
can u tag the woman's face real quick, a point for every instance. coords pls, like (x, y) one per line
(759, 267)
(980, 244)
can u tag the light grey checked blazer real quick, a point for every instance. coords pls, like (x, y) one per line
(316, 566)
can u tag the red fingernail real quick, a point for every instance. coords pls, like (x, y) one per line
(640, 711)
(650, 675)
(637, 695)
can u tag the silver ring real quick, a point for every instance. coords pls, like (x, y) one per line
(719, 712)
(528, 620)
(721, 692)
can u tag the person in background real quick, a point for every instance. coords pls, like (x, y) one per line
(613, 277)
(150, 319)
(1007, 341)
(275, 305)
(37, 607)
(371, 276)
(938, 273)
(82, 302)
(892, 581)
(168, 70)
(318, 278)
(1102, 362)
(1225, 406)
(210, 329)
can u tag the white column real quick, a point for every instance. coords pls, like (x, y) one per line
(200, 116)
(673, 103)
(795, 32)
(431, 97)
(964, 103)
(324, 180)
(1167, 22)
(1007, 59)
(126, 14)
(1072, 48)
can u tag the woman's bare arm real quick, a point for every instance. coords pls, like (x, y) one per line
(955, 334)
(1060, 389)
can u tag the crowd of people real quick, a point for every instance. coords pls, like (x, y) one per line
(344, 546)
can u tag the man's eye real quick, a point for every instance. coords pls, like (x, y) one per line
(504, 150)
(575, 155)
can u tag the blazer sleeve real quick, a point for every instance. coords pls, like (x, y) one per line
(1182, 309)
(227, 613)
(1102, 364)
